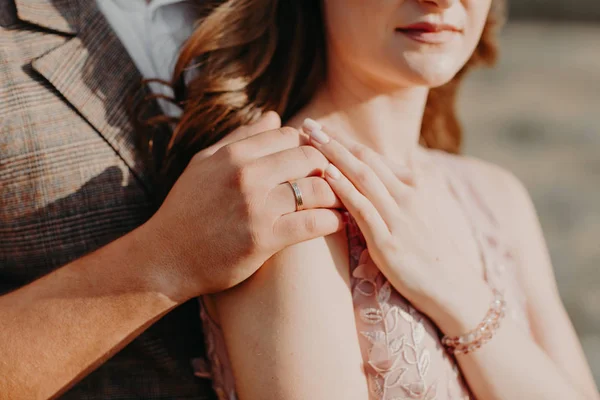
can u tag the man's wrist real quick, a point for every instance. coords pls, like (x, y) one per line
(155, 264)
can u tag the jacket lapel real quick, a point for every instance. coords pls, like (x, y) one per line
(56, 15)
(92, 71)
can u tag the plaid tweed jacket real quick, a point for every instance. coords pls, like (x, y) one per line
(71, 180)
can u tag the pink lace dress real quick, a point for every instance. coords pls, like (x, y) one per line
(401, 348)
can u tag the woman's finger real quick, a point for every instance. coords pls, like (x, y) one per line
(315, 191)
(396, 182)
(383, 166)
(360, 174)
(287, 165)
(366, 215)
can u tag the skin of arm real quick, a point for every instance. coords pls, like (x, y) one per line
(287, 328)
(88, 309)
(556, 363)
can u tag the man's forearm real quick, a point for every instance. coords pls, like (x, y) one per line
(59, 328)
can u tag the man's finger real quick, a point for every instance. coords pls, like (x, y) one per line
(267, 122)
(291, 164)
(315, 191)
(306, 225)
(267, 144)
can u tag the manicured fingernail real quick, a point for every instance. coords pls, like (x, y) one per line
(313, 128)
(319, 137)
(333, 172)
(310, 125)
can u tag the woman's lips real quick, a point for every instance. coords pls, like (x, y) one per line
(430, 33)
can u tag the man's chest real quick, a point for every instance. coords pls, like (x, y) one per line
(64, 189)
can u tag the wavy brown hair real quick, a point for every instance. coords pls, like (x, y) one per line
(249, 56)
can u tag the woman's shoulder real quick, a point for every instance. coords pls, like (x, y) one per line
(499, 188)
(494, 179)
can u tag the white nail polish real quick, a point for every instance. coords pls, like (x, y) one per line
(313, 128)
(310, 125)
(319, 137)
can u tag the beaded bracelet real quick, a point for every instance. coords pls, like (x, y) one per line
(476, 338)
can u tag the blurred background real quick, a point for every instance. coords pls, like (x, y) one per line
(538, 114)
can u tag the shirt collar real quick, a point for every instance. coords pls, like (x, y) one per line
(156, 5)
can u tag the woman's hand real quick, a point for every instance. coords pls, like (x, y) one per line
(409, 230)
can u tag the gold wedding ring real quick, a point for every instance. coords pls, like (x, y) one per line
(297, 195)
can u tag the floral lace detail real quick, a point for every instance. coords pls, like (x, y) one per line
(392, 354)
(402, 353)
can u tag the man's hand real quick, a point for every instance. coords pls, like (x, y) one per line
(232, 209)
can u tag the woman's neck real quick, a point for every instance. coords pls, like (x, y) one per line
(387, 122)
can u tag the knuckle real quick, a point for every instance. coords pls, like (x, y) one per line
(246, 234)
(363, 176)
(232, 153)
(255, 239)
(201, 155)
(365, 213)
(255, 227)
(241, 132)
(311, 224)
(288, 132)
(308, 152)
(242, 208)
(319, 188)
(242, 178)
(313, 157)
(363, 153)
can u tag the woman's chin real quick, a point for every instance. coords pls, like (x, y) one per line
(430, 72)
(429, 79)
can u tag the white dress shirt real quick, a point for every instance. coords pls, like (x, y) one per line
(152, 33)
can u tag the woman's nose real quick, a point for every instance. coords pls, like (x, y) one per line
(439, 3)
